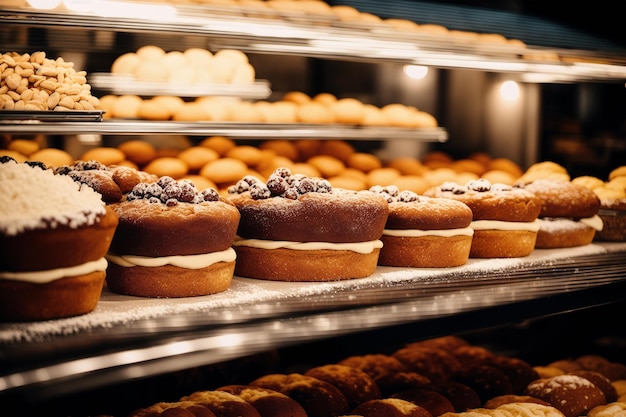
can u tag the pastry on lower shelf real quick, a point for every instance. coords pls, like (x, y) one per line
(318, 398)
(54, 234)
(299, 228)
(356, 385)
(569, 213)
(390, 407)
(222, 403)
(173, 409)
(504, 217)
(571, 394)
(172, 241)
(431, 400)
(268, 402)
(424, 232)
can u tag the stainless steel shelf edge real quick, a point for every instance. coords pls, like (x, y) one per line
(392, 297)
(330, 39)
(234, 129)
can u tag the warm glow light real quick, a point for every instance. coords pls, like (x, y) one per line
(416, 72)
(509, 90)
(44, 4)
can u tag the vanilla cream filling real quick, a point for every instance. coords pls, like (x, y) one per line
(358, 247)
(43, 277)
(181, 261)
(500, 225)
(594, 222)
(466, 231)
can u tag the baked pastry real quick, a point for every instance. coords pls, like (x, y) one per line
(488, 381)
(504, 217)
(434, 402)
(172, 241)
(569, 213)
(461, 396)
(269, 403)
(356, 385)
(612, 409)
(318, 398)
(222, 403)
(496, 402)
(435, 364)
(374, 364)
(573, 395)
(390, 407)
(174, 409)
(424, 232)
(600, 381)
(298, 228)
(520, 372)
(54, 234)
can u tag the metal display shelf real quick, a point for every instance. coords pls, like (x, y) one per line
(132, 337)
(304, 35)
(231, 129)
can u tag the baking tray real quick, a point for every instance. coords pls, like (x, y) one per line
(52, 115)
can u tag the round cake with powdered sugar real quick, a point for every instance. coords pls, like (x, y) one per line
(300, 228)
(172, 241)
(569, 213)
(424, 232)
(571, 394)
(504, 218)
(54, 234)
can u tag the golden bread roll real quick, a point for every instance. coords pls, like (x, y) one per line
(347, 182)
(305, 169)
(14, 154)
(250, 155)
(219, 144)
(497, 176)
(125, 64)
(150, 53)
(339, 149)
(348, 110)
(52, 157)
(382, 176)
(402, 24)
(325, 98)
(507, 165)
(415, 183)
(588, 181)
(408, 166)
(364, 161)
(617, 172)
(327, 165)
(105, 155)
(138, 151)
(167, 166)
(314, 112)
(151, 71)
(270, 164)
(197, 156)
(297, 97)
(26, 147)
(282, 147)
(224, 170)
(153, 110)
(374, 116)
(126, 107)
(307, 148)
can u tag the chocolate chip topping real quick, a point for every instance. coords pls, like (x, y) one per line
(170, 192)
(281, 183)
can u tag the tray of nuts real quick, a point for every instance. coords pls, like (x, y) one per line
(51, 116)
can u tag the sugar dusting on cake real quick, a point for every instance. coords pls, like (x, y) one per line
(33, 198)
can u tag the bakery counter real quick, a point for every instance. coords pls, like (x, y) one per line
(51, 123)
(323, 37)
(126, 338)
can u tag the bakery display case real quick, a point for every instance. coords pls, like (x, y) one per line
(72, 365)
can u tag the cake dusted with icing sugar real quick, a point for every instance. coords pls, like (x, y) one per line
(54, 235)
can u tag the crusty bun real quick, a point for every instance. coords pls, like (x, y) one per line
(394, 382)
(571, 394)
(54, 234)
(174, 409)
(276, 242)
(461, 396)
(268, 402)
(504, 217)
(390, 407)
(374, 364)
(436, 364)
(488, 381)
(138, 151)
(424, 232)
(496, 402)
(52, 157)
(431, 400)
(195, 259)
(568, 215)
(356, 385)
(222, 403)
(318, 398)
(613, 409)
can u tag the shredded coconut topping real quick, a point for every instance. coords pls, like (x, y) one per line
(36, 198)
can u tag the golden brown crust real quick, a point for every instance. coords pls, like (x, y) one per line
(356, 385)
(512, 398)
(318, 398)
(502, 243)
(173, 409)
(433, 401)
(390, 407)
(572, 395)
(295, 265)
(60, 247)
(436, 364)
(564, 199)
(375, 364)
(425, 251)
(563, 233)
(346, 217)
(223, 404)
(65, 297)
(169, 281)
(394, 382)
(268, 402)
(156, 230)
